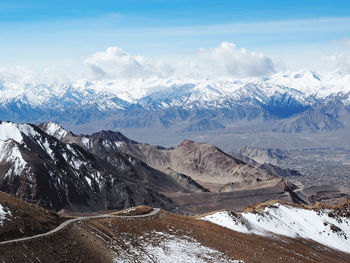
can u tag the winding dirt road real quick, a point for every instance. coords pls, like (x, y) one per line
(66, 223)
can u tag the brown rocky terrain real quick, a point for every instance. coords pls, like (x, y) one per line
(198, 203)
(150, 239)
(209, 165)
(24, 219)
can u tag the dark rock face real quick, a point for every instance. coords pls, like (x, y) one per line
(41, 169)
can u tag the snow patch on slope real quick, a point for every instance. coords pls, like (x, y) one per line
(55, 130)
(320, 226)
(167, 248)
(47, 147)
(225, 219)
(10, 154)
(86, 142)
(4, 213)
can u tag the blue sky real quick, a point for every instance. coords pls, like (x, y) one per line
(172, 11)
(295, 34)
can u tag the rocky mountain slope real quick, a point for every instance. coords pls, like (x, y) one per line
(272, 156)
(39, 168)
(197, 167)
(204, 163)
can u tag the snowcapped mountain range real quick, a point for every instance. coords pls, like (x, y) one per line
(301, 85)
(196, 105)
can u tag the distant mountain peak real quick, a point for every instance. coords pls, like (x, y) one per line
(111, 135)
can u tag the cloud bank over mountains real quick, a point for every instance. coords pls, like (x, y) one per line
(116, 63)
(341, 60)
(225, 60)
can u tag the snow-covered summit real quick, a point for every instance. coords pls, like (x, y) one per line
(15, 131)
(305, 83)
(311, 83)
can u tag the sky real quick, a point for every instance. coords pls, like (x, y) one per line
(140, 38)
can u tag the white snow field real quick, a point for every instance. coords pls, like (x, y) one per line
(320, 226)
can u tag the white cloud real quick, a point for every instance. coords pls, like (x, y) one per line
(22, 76)
(341, 61)
(16, 74)
(345, 41)
(116, 63)
(225, 60)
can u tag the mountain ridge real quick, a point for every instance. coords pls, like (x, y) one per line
(44, 170)
(195, 105)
